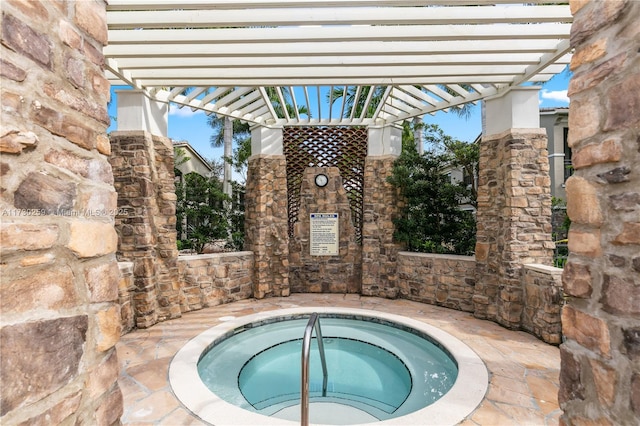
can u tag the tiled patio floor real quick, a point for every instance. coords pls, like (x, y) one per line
(523, 370)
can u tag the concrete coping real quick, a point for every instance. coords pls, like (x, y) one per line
(126, 267)
(438, 256)
(187, 257)
(462, 399)
(551, 270)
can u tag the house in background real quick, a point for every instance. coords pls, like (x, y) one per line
(556, 122)
(194, 163)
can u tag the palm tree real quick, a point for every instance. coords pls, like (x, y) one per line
(463, 111)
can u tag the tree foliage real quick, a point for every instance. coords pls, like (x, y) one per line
(431, 220)
(200, 208)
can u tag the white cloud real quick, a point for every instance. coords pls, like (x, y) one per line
(555, 95)
(183, 112)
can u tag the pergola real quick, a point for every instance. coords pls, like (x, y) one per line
(396, 59)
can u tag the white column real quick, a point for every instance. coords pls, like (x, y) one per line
(267, 141)
(385, 140)
(137, 112)
(518, 109)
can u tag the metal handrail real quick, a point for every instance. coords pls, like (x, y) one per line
(304, 383)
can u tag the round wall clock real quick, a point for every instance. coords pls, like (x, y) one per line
(321, 180)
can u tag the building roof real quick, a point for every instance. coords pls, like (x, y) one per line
(397, 59)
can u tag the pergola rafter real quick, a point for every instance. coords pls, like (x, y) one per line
(220, 56)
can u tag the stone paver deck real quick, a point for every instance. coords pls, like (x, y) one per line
(523, 371)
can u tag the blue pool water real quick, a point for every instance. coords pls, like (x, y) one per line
(381, 369)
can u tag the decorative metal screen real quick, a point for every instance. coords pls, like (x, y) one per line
(341, 147)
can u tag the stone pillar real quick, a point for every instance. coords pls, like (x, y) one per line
(514, 205)
(59, 317)
(381, 206)
(600, 371)
(146, 222)
(266, 219)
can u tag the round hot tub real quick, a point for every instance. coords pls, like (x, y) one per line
(381, 369)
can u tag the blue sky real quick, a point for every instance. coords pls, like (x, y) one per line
(192, 126)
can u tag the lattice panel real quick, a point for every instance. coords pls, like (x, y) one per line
(341, 147)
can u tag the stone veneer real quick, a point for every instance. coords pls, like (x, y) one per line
(126, 289)
(600, 371)
(266, 224)
(437, 279)
(513, 220)
(59, 294)
(320, 274)
(542, 286)
(146, 222)
(382, 204)
(213, 279)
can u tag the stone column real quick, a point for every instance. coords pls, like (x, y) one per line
(146, 222)
(514, 205)
(60, 318)
(381, 205)
(600, 371)
(266, 218)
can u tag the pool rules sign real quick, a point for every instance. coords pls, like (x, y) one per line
(324, 234)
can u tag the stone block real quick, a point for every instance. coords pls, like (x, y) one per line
(21, 38)
(57, 414)
(102, 281)
(15, 141)
(576, 278)
(584, 120)
(49, 289)
(623, 107)
(45, 193)
(630, 234)
(109, 328)
(594, 16)
(589, 53)
(589, 331)
(593, 76)
(92, 238)
(582, 202)
(585, 243)
(620, 295)
(38, 358)
(110, 408)
(571, 385)
(608, 151)
(103, 377)
(606, 381)
(92, 17)
(635, 394)
(27, 236)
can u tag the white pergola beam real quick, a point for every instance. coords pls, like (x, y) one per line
(351, 16)
(246, 4)
(226, 56)
(338, 49)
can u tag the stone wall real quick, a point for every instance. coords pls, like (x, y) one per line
(542, 287)
(437, 279)
(126, 288)
(146, 222)
(324, 274)
(213, 279)
(266, 224)
(382, 204)
(513, 220)
(600, 373)
(60, 316)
